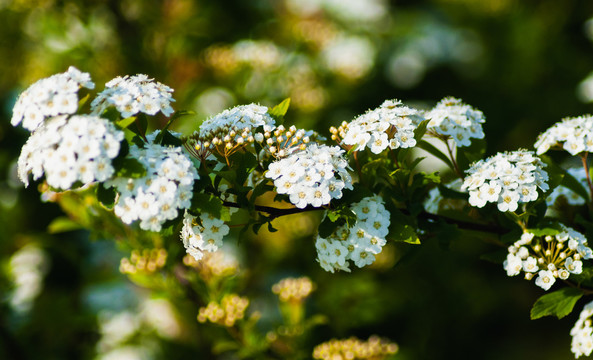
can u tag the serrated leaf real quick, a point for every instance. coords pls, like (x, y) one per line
(558, 303)
(278, 111)
(63, 224)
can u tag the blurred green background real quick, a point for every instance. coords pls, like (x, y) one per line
(525, 64)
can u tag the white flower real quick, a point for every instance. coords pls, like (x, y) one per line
(545, 279)
(202, 233)
(49, 97)
(513, 265)
(458, 120)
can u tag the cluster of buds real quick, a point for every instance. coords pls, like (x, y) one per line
(213, 264)
(223, 143)
(146, 261)
(550, 256)
(231, 308)
(338, 133)
(293, 289)
(281, 142)
(353, 348)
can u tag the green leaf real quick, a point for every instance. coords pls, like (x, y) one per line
(278, 111)
(175, 116)
(402, 228)
(433, 150)
(129, 168)
(207, 203)
(124, 123)
(421, 130)
(558, 303)
(573, 184)
(548, 227)
(168, 139)
(106, 195)
(63, 224)
(83, 101)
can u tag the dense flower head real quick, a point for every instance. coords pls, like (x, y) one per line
(133, 94)
(359, 243)
(217, 264)
(71, 149)
(230, 309)
(507, 179)
(451, 117)
(353, 348)
(293, 289)
(158, 195)
(313, 176)
(549, 257)
(571, 197)
(390, 125)
(48, 97)
(574, 135)
(582, 333)
(202, 233)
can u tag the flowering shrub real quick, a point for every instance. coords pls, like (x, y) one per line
(243, 169)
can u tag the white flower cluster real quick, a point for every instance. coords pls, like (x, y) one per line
(240, 119)
(52, 96)
(70, 149)
(312, 176)
(203, 235)
(157, 196)
(133, 94)
(575, 135)
(582, 333)
(359, 243)
(550, 257)
(390, 125)
(571, 197)
(460, 121)
(506, 179)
